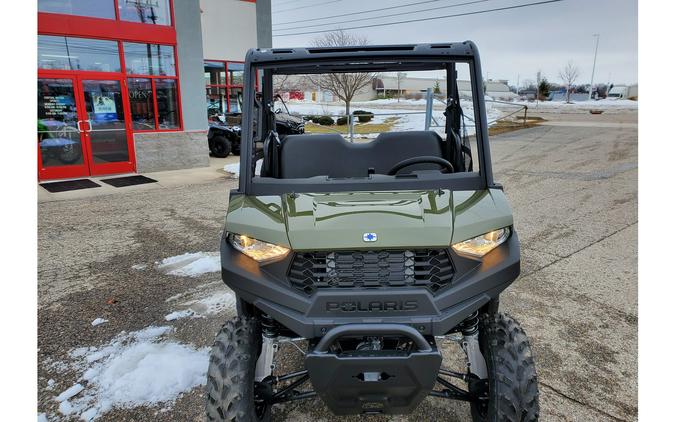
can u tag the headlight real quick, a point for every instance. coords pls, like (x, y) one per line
(478, 246)
(257, 249)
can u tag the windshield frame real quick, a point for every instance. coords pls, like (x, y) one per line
(297, 61)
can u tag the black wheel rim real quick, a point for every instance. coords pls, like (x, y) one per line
(218, 148)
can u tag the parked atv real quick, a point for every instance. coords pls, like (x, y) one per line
(225, 131)
(287, 123)
(223, 138)
(368, 258)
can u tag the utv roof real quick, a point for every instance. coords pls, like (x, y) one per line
(372, 58)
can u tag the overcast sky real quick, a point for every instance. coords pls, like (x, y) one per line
(512, 43)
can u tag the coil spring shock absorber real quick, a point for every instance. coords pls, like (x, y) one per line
(269, 326)
(475, 359)
(470, 324)
(265, 363)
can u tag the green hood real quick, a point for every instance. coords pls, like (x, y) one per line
(339, 221)
(411, 219)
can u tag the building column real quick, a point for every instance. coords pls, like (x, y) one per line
(263, 19)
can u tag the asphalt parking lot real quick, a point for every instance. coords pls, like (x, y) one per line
(572, 183)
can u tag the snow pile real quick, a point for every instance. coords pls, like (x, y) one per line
(394, 101)
(191, 264)
(206, 306)
(213, 304)
(234, 168)
(604, 104)
(70, 393)
(134, 369)
(98, 321)
(179, 314)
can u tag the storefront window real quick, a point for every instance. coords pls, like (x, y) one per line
(236, 73)
(155, 12)
(216, 101)
(235, 100)
(224, 82)
(142, 104)
(214, 73)
(69, 53)
(91, 8)
(149, 59)
(167, 103)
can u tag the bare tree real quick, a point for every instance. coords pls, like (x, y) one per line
(569, 75)
(280, 83)
(342, 85)
(400, 76)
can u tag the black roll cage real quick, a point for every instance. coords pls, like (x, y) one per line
(354, 59)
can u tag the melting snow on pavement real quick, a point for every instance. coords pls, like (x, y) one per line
(179, 314)
(137, 368)
(205, 306)
(191, 264)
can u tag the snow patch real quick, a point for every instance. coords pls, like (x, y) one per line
(134, 369)
(604, 104)
(205, 306)
(213, 304)
(179, 315)
(70, 392)
(98, 321)
(139, 267)
(42, 417)
(191, 264)
(233, 168)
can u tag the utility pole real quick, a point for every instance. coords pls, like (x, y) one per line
(595, 56)
(518, 85)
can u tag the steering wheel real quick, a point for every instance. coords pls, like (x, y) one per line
(420, 160)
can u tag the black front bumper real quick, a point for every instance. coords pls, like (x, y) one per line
(474, 284)
(381, 381)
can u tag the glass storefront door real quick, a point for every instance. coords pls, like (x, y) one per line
(59, 129)
(83, 129)
(106, 131)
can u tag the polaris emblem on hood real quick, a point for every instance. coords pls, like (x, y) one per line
(370, 237)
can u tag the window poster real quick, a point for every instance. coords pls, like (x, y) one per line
(56, 106)
(104, 105)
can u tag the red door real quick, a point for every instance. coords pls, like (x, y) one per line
(62, 151)
(107, 131)
(83, 126)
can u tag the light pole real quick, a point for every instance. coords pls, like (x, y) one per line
(595, 56)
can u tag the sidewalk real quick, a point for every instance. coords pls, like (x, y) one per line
(164, 179)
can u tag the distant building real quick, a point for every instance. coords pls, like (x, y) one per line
(499, 90)
(300, 87)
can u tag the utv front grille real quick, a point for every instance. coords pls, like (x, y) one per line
(430, 268)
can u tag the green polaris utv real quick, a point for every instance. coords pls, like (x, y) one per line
(369, 256)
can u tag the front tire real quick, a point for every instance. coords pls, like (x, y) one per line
(221, 146)
(230, 385)
(512, 378)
